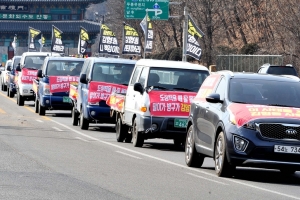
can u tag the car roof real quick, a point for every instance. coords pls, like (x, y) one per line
(250, 75)
(66, 58)
(111, 60)
(170, 64)
(40, 54)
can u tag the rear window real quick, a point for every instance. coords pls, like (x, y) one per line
(282, 70)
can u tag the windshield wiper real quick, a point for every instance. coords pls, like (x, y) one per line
(184, 89)
(159, 87)
(240, 102)
(30, 68)
(124, 84)
(280, 105)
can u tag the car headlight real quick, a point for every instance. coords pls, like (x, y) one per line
(46, 90)
(251, 125)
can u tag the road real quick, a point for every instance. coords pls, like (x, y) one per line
(45, 157)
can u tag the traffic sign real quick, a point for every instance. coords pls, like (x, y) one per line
(157, 9)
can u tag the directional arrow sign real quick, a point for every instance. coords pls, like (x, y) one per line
(157, 9)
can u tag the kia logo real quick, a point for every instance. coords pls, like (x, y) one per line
(291, 132)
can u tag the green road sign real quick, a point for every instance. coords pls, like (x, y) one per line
(157, 9)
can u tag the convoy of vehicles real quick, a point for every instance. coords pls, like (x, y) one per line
(241, 119)
(51, 88)
(98, 79)
(27, 71)
(157, 101)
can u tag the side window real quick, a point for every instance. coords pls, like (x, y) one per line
(263, 70)
(143, 76)
(221, 88)
(135, 75)
(89, 68)
(85, 66)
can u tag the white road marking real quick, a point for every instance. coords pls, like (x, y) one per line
(59, 130)
(81, 139)
(128, 155)
(206, 178)
(39, 120)
(175, 164)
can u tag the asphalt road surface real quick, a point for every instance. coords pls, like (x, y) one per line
(48, 158)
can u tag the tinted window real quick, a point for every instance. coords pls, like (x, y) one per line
(177, 79)
(265, 92)
(34, 62)
(282, 70)
(64, 68)
(112, 72)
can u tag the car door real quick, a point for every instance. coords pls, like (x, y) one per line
(213, 114)
(130, 96)
(82, 88)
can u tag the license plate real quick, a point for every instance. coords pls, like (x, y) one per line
(180, 123)
(66, 100)
(286, 149)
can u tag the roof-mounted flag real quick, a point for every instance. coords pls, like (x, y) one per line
(32, 33)
(83, 41)
(57, 45)
(108, 42)
(131, 41)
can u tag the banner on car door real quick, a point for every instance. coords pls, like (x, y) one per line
(170, 103)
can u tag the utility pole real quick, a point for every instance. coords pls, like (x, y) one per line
(184, 34)
(146, 34)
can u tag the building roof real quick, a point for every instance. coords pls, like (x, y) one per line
(46, 26)
(52, 1)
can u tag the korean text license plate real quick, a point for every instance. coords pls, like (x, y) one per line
(180, 123)
(66, 100)
(287, 149)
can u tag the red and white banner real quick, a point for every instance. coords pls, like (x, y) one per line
(244, 113)
(170, 103)
(116, 102)
(101, 91)
(61, 83)
(28, 75)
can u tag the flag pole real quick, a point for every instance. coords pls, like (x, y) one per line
(184, 35)
(41, 43)
(146, 34)
(28, 41)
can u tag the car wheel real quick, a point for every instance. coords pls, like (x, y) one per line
(36, 105)
(20, 100)
(84, 123)
(121, 130)
(75, 117)
(137, 137)
(287, 171)
(192, 157)
(7, 93)
(128, 138)
(11, 94)
(42, 109)
(179, 142)
(222, 166)
(4, 87)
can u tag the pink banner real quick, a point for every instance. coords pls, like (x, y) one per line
(170, 103)
(61, 83)
(28, 75)
(101, 90)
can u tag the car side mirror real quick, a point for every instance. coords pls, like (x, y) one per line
(18, 68)
(40, 73)
(9, 68)
(214, 98)
(83, 79)
(138, 87)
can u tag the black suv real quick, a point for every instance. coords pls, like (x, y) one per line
(278, 69)
(240, 119)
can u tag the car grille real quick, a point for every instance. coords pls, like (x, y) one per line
(280, 131)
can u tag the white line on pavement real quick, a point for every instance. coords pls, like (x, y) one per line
(57, 129)
(81, 139)
(128, 155)
(175, 164)
(206, 178)
(39, 120)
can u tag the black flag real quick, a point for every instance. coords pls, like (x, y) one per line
(146, 25)
(83, 41)
(193, 47)
(57, 45)
(32, 33)
(131, 41)
(108, 42)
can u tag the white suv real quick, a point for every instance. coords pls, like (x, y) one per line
(3, 75)
(30, 63)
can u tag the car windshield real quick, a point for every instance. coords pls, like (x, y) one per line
(282, 70)
(16, 62)
(176, 79)
(34, 62)
(112, 72)
(265, 92)
(64, 68)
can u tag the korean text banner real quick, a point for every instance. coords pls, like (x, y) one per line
(83, 41)
(101, 91)
(146, 25)
(32, 35)
(193, 47)
(131, 41)
(170, 103)
(57, 45)
(108, 42)
(61, 83)
(28, 75)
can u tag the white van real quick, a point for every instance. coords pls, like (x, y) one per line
(30, 63)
